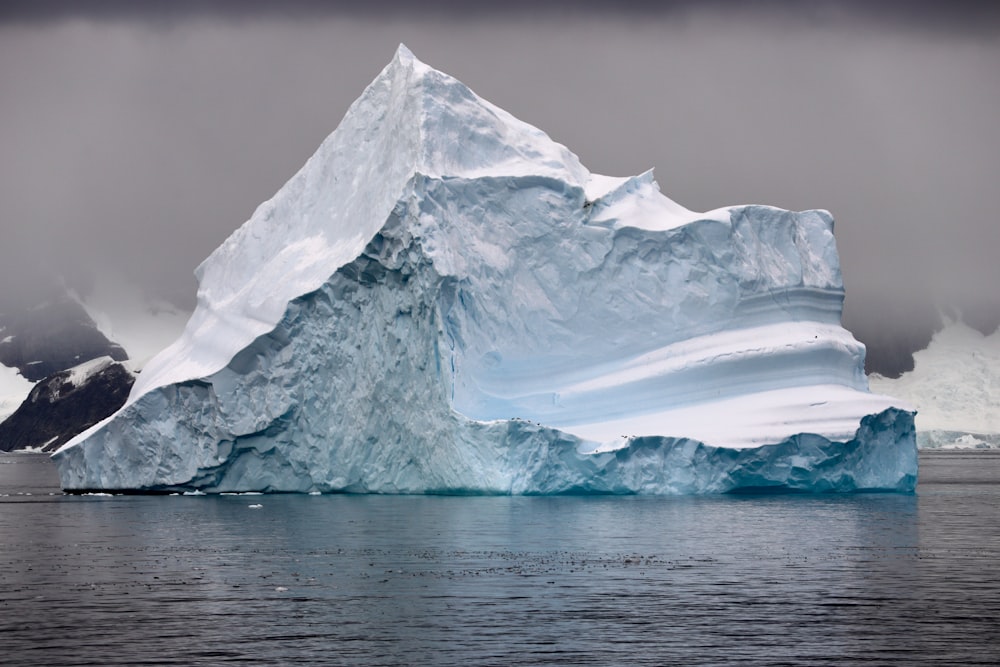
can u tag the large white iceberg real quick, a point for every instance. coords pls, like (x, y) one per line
(444, 300)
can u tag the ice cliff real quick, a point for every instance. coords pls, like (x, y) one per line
(445, 300)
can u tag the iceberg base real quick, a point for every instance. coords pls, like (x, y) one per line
(524, 458)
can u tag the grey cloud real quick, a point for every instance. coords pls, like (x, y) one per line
(975, 16)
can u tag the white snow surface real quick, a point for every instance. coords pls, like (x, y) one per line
(443, 299)
(143, 326)
(14, 388)
(81, 373)
(954, 387)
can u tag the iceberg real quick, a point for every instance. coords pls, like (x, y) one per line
(445, 300)
(955, 386)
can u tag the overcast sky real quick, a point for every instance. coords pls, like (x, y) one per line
(137, 136)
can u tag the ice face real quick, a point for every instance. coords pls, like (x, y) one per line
(444, 300)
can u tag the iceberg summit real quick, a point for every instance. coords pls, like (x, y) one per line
(444, 300)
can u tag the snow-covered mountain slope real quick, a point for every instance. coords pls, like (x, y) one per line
(50, 335)
(14, 389)
(43, 334)
(142, 325)
(59, 330)
(66, 403)
(955, 388)
(443, 299)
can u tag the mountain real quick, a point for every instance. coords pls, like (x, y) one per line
(143, 325)
(50, 335)
(445, 300)
(44, 330)
(41, 338)
(955, 388)
(65, 404)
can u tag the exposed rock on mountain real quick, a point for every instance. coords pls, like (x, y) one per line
(44, 338)
(67, 403)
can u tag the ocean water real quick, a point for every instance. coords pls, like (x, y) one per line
(874, 579)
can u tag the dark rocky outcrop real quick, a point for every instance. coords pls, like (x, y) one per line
(66, 403)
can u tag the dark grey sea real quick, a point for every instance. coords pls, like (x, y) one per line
(873, 579)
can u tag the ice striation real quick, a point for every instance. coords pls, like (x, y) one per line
(444, 300)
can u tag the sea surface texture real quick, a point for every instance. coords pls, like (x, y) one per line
(882, 579)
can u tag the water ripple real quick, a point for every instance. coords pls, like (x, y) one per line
(354, 580)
